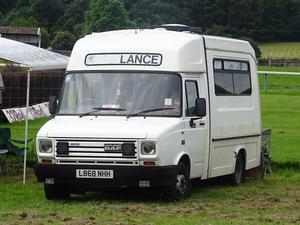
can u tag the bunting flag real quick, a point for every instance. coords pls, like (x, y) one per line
(19, 114)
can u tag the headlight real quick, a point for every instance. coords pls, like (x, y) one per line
(45, 146)
(148, 148)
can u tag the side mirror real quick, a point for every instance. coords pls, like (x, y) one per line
(200, 107)
(52, 105)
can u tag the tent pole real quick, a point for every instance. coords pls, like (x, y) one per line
(26, 127)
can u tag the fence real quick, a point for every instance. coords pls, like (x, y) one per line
(279, 63)
(42, 85)
(293, 85)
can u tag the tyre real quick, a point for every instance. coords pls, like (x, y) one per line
(181, 188)
(56, 191)
(238, 176)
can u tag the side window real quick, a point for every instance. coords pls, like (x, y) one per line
(232, 78)
(223, 83)
(242, 84)
(191, 89)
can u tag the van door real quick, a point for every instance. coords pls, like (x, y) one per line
(195, 133)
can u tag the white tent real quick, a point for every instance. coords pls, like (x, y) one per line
(35, 59)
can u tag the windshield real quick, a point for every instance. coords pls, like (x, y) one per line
(153, 94)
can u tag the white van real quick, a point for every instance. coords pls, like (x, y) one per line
(152, 108)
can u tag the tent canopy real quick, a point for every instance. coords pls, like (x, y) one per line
(33, 57)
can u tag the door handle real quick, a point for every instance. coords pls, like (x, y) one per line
(192, 124)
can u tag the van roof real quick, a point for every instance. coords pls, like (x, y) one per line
(181, 51)
(228, 44)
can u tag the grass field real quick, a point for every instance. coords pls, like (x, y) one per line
(281, 112)
(274, 200)
(281, 50)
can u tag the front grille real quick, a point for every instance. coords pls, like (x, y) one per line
(95, 151)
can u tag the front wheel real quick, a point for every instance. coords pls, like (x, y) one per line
(181, 188)
(56, 191)
(238, 176)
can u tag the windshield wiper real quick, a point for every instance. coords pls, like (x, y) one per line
(96, 109)
(149, 110)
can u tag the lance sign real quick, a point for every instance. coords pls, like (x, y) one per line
(19, 114)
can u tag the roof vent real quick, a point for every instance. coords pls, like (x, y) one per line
(176, 27)
(180, 28)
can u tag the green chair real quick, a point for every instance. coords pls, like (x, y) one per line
(10, 149)
(2, 160)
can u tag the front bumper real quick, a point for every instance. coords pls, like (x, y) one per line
(124, 176)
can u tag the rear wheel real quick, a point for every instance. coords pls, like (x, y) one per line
(238, 176)
(56, 191)
(181, 188)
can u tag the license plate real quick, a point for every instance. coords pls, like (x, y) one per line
(91, 173)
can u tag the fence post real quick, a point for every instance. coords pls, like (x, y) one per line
(265, 82)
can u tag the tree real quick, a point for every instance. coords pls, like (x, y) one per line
(19, 19)
(63, 40)
(147, 13)
(217, 30)
(203, 13)
(73, 18)
(45, 38)
(278, 20)
(47, 12)
(261, 20)
(104, 15)
(6, 5)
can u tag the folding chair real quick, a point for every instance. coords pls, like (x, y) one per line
(3, 151)
(2, 160)
(11, 153)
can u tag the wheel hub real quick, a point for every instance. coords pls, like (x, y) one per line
(181, 184)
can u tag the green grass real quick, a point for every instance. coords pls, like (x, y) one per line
(280, 50)
(274, 200)
(18, 128)
(281, 84)
(281, 112)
